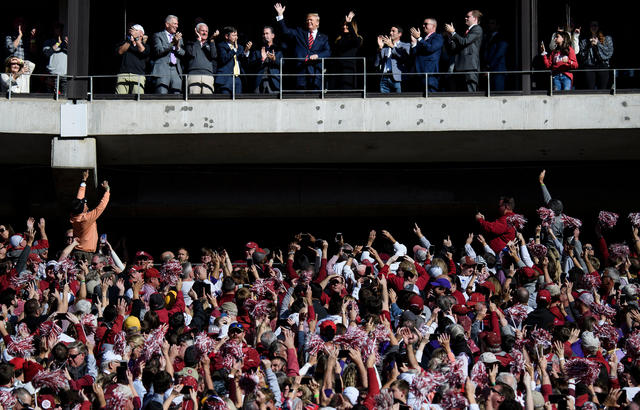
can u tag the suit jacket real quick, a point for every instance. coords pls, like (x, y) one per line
(495, 53)
(399, 58)
(427, 54)
(160, 54)
(467, 49)
(226, 63)
(300, 39)
(195, 63)
(266, 67)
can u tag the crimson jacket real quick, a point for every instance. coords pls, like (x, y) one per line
(499, 232)
(557, 66)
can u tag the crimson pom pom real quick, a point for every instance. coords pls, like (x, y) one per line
(48, 327)
(425, 383)
(517, 313)
(517, 364)
(68, 266)
(231, 351)
(89, 322)
(354, 338)
(633, 344)
(24, 278)
(204, 344)
(453, 399)
(634, 217)
(117, 400)
(603, 310)
(215, 403)
(7, 399)
(592, 280)
(608, 219)
(120, 343)
(517, 221)
(583, 370)
(153, 343)
(607, 334)
(171, 270)
(248, 383)
(546, 216)
(380, 333)
(314, 344)
(21, 346)
(258, 309)
(570, 222)
(384, 400)
(455, 376)
(261, 288)
(541, 337)
(619, 250)
(54, 380)
(537, 249)
(479, 374)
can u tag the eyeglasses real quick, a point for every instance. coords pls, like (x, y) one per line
(493, 389)
(27, 406)
(588, 248)
(73, 356)
(2, 230)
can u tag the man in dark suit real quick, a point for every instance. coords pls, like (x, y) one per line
(310, 47)
(426, 51)
(167, 50)
(231, 60)
(266, 63)
(467, 48)
(392, 59)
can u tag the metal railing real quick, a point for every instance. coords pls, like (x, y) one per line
(362, 82)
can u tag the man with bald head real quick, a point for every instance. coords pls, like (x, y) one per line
(426, 50)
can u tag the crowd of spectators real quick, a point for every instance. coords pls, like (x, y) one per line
(214, 61)
(496, 322)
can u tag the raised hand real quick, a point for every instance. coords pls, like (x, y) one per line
(279, 9)
(541, 176)
(350, 17)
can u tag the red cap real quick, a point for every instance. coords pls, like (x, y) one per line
(326, 324)
(46, 401)
(33, 257)
(544, 295)
(418, 248)
(251, 245)
(30, 369)
(489, 285)
(527, 272)
(251, 359)
(460, 309)
(151, 273)
(475, 298)
(17, 362)
(143, 254)
(189, 381)
(492, 339)
(416, 301)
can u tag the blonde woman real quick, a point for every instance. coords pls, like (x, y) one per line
(16, 76)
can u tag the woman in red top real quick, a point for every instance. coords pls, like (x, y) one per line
(561, 60)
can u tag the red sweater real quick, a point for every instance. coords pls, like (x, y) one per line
(557, 66)
(499, 232)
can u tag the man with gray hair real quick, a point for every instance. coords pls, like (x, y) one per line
(167, 51)
(201, 61)
(134, 53)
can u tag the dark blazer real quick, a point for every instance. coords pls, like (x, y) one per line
(160, 54)
(267, 67)
(427, 54)
(467, 49)
(399, 58)
(301, 49)
(225, 63)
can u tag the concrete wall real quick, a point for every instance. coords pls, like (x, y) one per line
(331, 115)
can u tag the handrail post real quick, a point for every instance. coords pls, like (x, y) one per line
(57, 90)
(364, 77)
(138, 89)
(281, 83)
(426, 85)
(322, 79)
(233, 87)
(550, 84)
(90, 88)
(614, 81)
(488, 83)
(186, 87)
(10, 79)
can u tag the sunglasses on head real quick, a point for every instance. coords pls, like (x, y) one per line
(236, 326)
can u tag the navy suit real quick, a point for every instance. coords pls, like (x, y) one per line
(224, 83)
(427, 58)
(300, 38)
(267, 70)
(397, 57)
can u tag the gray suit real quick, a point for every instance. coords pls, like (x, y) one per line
(394, 61)
(467, 54)
(166, 75)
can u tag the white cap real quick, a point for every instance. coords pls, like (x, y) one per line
(352, 394)
(109, 356)
(138, 27)
(488, 358)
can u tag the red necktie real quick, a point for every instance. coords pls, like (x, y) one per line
(310, 41)
(467, 32)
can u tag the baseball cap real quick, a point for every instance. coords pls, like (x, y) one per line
(543, 295)
(132, 322)
(156, 301)
(475, 298)
(251, 245)
(143, 255)
(441, 282)
(467, 261)
(151, 273)
(109, 356)
(416, 301)
(488, 358)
